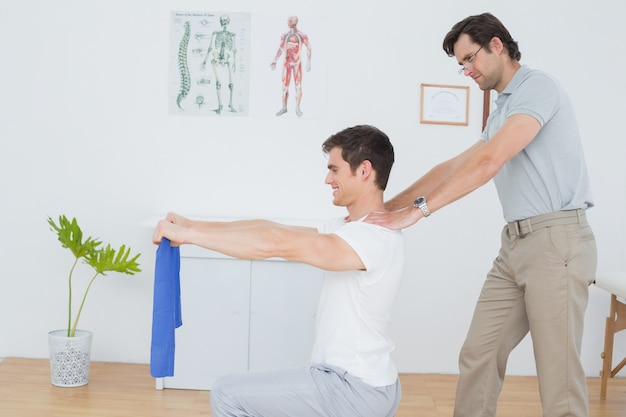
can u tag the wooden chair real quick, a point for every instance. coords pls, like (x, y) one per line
(616, 321)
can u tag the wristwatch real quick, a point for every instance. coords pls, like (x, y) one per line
(420, 203)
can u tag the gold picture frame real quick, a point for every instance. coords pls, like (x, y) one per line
(444, 104)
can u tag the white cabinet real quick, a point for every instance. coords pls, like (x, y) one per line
(241, 315)
(283, 305)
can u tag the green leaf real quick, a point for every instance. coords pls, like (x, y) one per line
(105, 260)
(71, 237)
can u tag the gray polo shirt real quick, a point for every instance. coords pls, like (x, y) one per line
(550, 173)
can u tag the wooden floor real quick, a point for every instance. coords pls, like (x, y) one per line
(127, 390)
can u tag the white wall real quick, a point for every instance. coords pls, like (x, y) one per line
(85, 131)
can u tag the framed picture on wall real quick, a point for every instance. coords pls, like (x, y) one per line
(444, 104)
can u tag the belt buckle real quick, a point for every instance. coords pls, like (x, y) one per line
(514, 229)
(526, 223)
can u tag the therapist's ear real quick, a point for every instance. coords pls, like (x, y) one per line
(496, 45)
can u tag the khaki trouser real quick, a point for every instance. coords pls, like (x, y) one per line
(538, 283)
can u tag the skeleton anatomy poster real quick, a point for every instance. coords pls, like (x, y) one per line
(209, 64)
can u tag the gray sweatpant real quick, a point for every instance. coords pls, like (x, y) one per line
(315, 391)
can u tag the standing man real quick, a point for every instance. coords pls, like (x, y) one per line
(539, 280)
(351, 372)
(291, 44)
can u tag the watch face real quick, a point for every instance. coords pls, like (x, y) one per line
(419, 201)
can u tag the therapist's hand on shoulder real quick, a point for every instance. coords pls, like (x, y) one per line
(395, 220)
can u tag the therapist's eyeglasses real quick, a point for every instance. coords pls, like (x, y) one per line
(468, 61)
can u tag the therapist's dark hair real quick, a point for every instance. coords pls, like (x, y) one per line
(364, 142)
(481, 29)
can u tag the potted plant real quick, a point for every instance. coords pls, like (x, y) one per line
(70, 348)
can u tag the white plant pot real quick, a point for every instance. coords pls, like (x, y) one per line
(69, 358)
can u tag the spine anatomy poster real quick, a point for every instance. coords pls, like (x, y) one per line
(209, 64)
